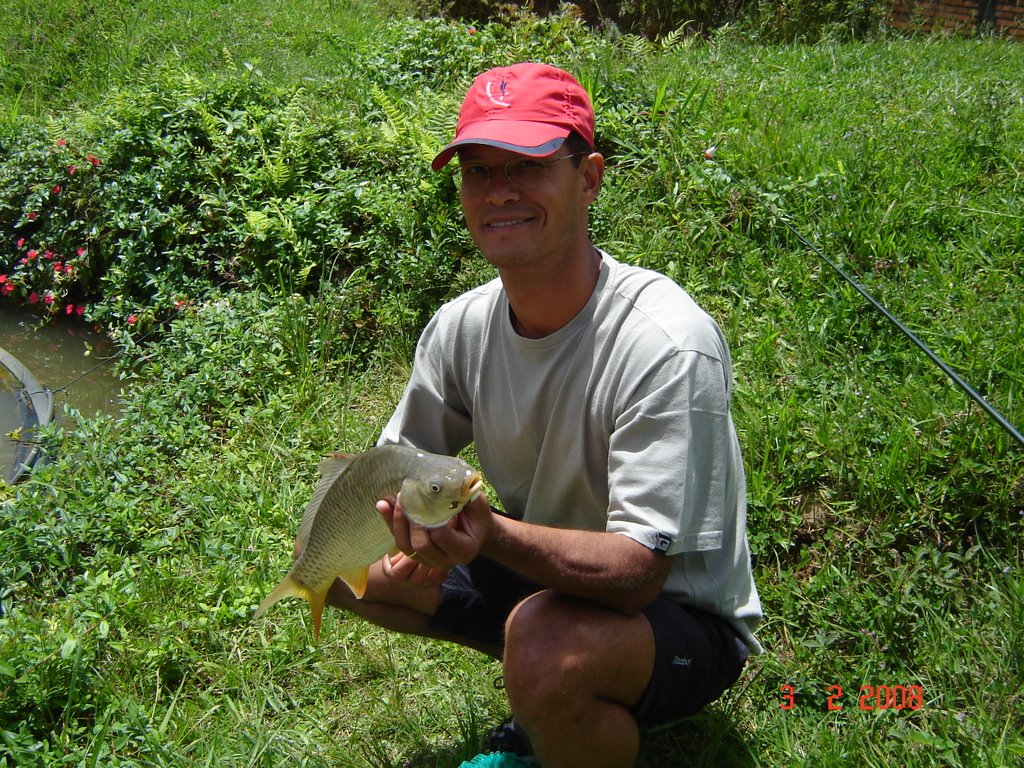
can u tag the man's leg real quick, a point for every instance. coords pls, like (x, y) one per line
(399, 607)
(572, 672)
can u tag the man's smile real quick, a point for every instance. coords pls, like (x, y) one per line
(501, 223)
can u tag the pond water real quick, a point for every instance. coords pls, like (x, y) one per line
(62, 356)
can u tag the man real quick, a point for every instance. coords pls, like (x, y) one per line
(616, 585)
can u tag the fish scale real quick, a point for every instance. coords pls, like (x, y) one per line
(342, 532)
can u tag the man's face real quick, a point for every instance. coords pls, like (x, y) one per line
(516, 227)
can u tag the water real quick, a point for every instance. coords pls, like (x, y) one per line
(56, 354)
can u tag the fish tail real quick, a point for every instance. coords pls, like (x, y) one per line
(290, 587)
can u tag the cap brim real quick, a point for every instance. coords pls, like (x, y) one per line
(520, 136)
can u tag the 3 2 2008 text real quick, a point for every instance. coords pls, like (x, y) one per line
(871, 698)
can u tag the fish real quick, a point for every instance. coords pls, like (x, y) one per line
(342, 533)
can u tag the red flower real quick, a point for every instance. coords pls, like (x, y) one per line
(55, 190)
(31, 255)
(93, 159)
(132, 319)
(69, 309)
(3, 279)
(71, 170)
(48, 298)
(472, 30)
(62, 142)
(80, 310)
(58, 267)
(32, 215)
(80, 252)
(7, 289)
(21, 242)
(33, 298)
(49, 255)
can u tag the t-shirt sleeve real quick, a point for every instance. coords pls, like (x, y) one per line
(671, 456)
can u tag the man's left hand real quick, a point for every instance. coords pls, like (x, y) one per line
(457, 542)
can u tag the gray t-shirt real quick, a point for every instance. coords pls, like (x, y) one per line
(617, 422)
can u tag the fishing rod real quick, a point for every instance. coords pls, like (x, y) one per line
(709, 154)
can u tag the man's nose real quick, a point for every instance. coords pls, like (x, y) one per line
(499, 189)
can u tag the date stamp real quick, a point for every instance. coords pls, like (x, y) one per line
(870, 698)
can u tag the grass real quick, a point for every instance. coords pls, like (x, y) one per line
(59, 53)
(885, 510)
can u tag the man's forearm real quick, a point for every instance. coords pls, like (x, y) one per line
(606, 568)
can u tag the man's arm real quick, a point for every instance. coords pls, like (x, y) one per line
(605, 568)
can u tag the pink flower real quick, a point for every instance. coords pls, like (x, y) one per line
(48, 299)
(58, 268)
(62, 142)
(49, 255)
(7, 289)
(69, 309)
(21, 242)
(33, 298)
(80, 252)
(31, 255)
(132, 319)
(23, 261)
(3, 279)
(68, 269)
(71, 170)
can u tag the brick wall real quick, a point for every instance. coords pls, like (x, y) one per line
(959, 15)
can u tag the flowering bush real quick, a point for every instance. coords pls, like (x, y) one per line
(48, 195)
(186, 186)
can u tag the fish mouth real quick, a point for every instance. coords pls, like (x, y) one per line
(470, 489)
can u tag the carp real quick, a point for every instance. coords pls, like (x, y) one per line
(342, 533)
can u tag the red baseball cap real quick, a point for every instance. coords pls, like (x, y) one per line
(526, 108)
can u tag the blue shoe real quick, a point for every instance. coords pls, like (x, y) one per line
(498, 760)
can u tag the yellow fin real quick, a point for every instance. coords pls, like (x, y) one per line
(289, 587)
(356, 580)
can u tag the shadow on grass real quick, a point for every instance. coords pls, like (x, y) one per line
(709, 738)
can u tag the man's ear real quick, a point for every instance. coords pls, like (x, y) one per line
(592, 169)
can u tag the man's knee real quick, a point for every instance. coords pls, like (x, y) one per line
(545, 651)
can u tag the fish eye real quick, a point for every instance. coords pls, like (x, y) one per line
(435, 487)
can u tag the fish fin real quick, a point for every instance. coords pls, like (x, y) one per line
(316, 607)
(356, 580)
(330, 469)
(335, 461)
(288, 587)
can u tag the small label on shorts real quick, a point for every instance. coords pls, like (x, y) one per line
(663, 542)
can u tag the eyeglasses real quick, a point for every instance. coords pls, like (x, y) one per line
(521, 172)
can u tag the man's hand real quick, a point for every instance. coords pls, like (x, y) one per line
(435, 549)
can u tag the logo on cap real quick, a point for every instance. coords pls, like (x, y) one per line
(503, 92)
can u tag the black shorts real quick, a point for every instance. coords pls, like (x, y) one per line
(697, 654)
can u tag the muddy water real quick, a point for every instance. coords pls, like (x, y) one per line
(57, 355)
